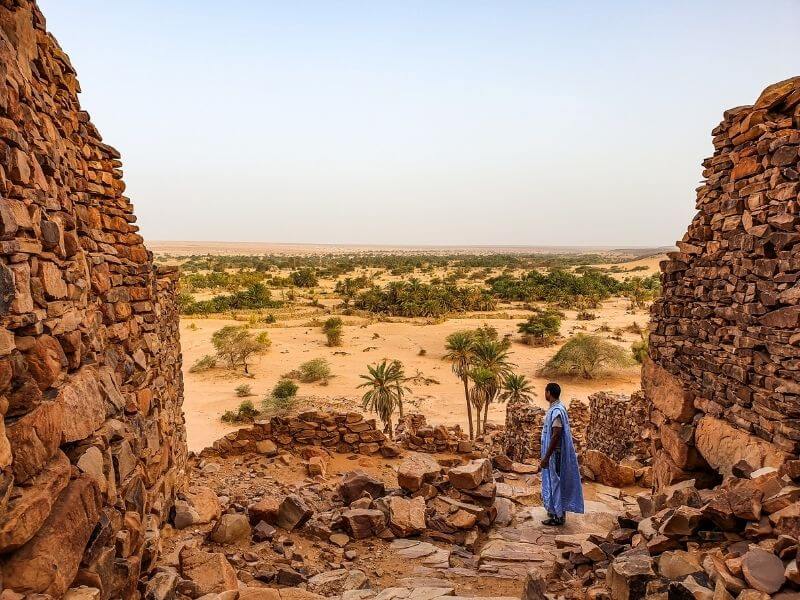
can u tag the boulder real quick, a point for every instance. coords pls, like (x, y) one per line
(293, 512)
(355, 483)
(334, 583)
(264, 510)
(230, 528)
(200, 506)
(666, 392)
(210, 571)
(266, 447)
(471, 475)
(677, 564)
(607, 471)
(629, 574)
(406, 517)
(416, 470)
(364, 522)
(763, 570)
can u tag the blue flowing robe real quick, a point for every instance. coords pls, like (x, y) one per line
(561, 491)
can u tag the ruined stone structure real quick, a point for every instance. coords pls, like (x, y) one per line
(724, 380)
(92, 443)
(618, 425)
(339, 432)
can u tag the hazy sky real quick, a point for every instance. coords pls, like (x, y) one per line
(419, 121)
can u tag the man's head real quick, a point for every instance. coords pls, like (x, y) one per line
(552, 392)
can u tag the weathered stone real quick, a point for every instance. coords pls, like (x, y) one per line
(763, 570)
(364, 522)
(48, 562)
(406, 516)
(666, 392)
(210, 571)
(293, 512)
(628, 576)
(30, 505)
(723, 445)
(470, 475)
(334, 583)
(355, 483)
(416, 470)
(230, 528)
(607, 471)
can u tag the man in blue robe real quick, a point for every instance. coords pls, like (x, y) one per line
(561, 478)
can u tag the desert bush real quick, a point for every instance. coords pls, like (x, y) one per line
(245, 413)
(304, 278)
(235, 344)
(192, 327)
(422, 352)
(333, 331)
(585, 315)
(275, 404)
(270, 318)
(585, 356)
(205, 363)
(285, 388)
(640, 349)
(243, 390)
(635, 328)
(315, 370)
(541, 328)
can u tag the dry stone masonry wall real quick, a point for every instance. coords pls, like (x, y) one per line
(92, 443)
(618, 425)
(724, 379)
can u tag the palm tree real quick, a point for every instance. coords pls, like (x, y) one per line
(460, 352)
(516, 388)
(483, 387)
(492, 355)
(385, 390)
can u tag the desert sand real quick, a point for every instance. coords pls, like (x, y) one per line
(211, 393)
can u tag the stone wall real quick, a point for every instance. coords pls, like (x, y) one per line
(618, 425)
(724, 379)
(92, 444)
(339, 432)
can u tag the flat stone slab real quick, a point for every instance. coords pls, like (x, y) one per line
(401, 543)
(424, 582)
(502, 550)
(418, 551)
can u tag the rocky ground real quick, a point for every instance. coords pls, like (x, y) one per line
(285, 524)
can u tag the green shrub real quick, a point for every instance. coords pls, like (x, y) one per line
(245, 413)
(304, 278)
(235, 344)
(284, 389)
(333, 331)
(314, 370)
(640, 349)
(541, 328)
(243, 390)
(585, 356)
(585, 315)
(205, 363)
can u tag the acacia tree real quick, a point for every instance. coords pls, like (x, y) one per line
(585, 356)
(460, 352)
(235, 344)
(385, 384)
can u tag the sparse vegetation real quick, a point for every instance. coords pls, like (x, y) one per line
(332, 328)
(640, 348)
(235, 344)
(245, 413)
(257, 296)
(315, 370)
(205, 363)
(541, 329)
(243, 390)
(585, 356)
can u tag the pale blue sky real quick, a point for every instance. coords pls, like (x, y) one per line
(421, 121)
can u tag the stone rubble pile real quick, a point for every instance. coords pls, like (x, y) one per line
(738, 540)
(340, 432)
(724, 381)
(414, 433)
(92, 442)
